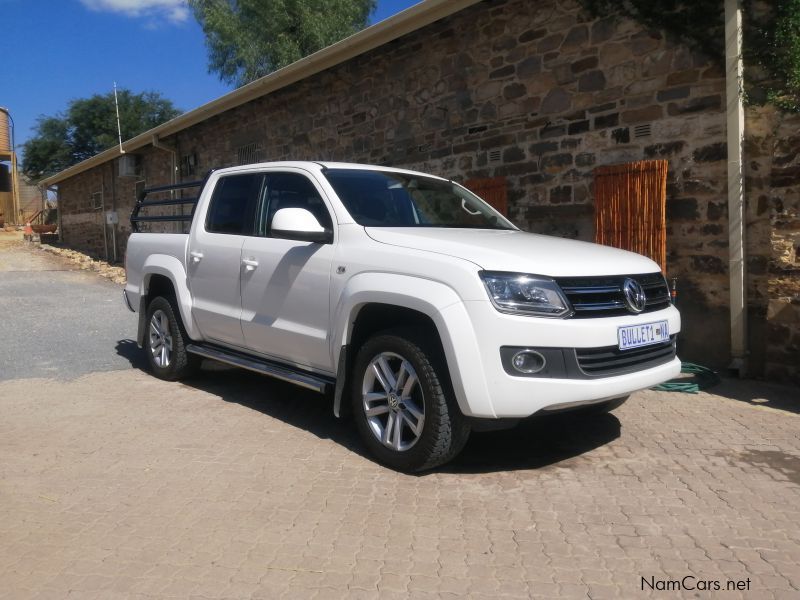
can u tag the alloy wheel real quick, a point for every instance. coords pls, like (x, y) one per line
(393, 401)
(160, 339)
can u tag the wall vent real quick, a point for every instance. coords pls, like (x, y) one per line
(129, 165)
(248, 154)
(644, 130)
(97, 200)
(495, 155)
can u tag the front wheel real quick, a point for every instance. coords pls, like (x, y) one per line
(165, 342)
(402, 403)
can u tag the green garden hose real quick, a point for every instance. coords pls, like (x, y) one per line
(703, 378)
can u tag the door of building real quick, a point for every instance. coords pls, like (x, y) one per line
(630, 208)
(491, 189)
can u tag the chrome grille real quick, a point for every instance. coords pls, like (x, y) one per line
(593, 297)
(608, 361)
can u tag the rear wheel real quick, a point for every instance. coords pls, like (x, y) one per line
(165, 342)
(402, 403)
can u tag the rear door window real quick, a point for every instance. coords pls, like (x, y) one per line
(233, 204)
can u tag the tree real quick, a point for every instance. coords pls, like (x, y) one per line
(771, 38)
(88, 127)
(248, 39)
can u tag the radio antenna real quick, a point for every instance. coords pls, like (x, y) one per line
(119, 127)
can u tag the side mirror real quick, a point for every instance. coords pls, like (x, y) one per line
(299, 224)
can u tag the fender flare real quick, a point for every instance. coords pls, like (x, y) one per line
(436, 300)
(171, 268)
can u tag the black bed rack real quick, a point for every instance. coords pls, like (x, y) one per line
(142, 202)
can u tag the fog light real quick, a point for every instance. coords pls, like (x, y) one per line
(528, 361)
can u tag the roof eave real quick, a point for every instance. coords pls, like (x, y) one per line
(403, 23)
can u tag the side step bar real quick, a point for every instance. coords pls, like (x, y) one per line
(304, 379)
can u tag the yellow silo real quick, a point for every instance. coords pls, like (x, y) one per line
(8, 188)
(5, 133)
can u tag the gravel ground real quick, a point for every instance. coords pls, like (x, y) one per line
(85, 262)
(57, 320)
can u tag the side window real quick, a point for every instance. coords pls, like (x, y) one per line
(234, 203)
(291, 190)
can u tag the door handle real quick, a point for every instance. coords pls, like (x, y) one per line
(196, 256)
(249, 263)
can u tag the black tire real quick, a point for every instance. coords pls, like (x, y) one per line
(181, 364)
(444, 429)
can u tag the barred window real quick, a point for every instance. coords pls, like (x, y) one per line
(188, 164)
(249, 153)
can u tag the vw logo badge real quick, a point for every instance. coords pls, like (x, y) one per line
(634, 295)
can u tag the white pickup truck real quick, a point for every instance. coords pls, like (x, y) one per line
(423, 311)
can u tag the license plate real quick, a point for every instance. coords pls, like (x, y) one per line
(636, 336)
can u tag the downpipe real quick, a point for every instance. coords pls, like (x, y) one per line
(156, 142)
(734, 73)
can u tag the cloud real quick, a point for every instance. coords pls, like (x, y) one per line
(175, 11)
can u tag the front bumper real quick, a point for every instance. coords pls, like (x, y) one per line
(491, 392)
(518, 397)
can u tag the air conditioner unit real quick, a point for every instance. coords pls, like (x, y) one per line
(128, 165)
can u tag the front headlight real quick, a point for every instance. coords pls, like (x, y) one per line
(518, 293)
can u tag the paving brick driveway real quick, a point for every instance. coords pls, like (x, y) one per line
(116, 485)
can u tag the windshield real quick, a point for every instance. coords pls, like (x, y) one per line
(387, 199)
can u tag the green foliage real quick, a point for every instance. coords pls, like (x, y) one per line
(247, 39)
(48, 152)
(88, 127)
(773, 43)
(699, 22)
(771, 48)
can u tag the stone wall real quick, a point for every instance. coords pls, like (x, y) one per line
(776, 198)
(536, 92)
(84, 199)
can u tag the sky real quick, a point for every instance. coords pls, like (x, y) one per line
(67, 49)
